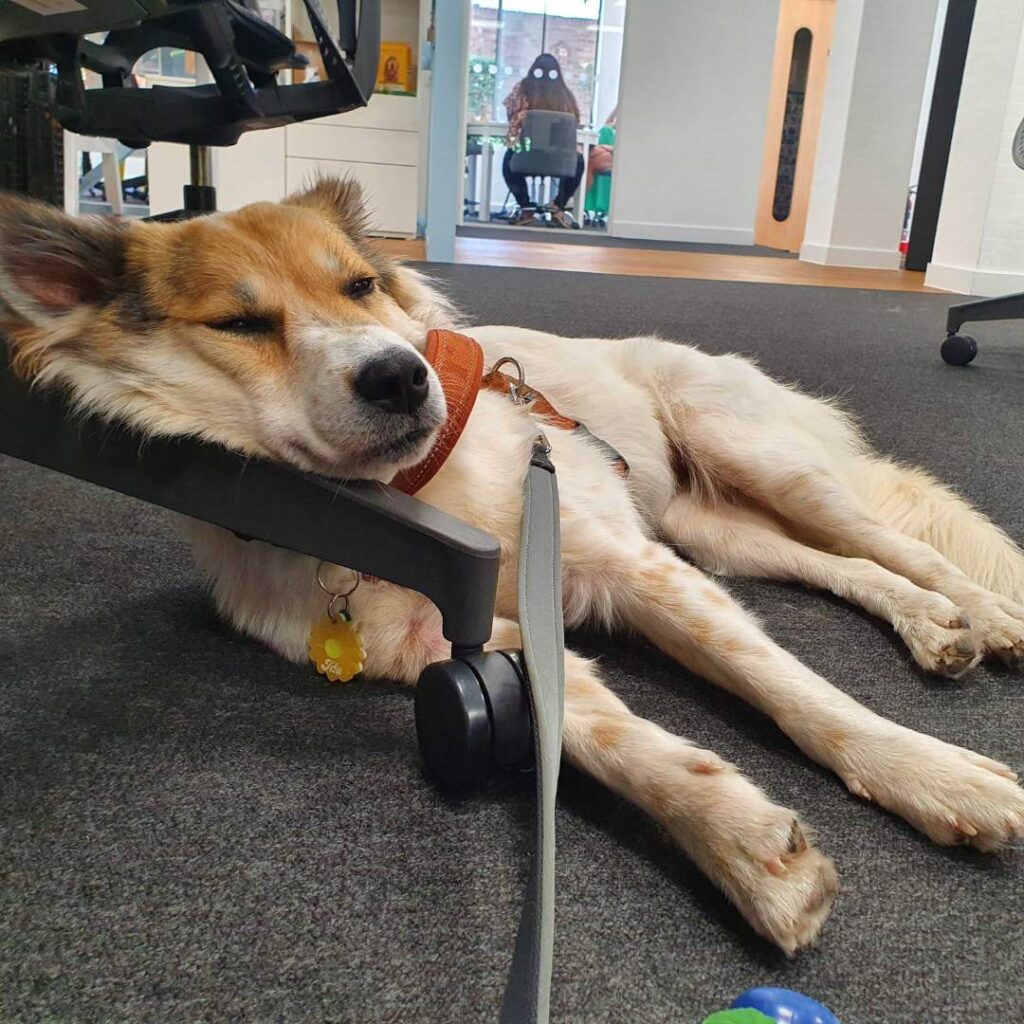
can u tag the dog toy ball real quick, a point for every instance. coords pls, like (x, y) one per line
(784, 1006)
(738, 1017)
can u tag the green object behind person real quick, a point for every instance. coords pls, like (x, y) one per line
(598, 197)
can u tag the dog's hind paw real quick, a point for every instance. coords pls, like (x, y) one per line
(998, 627)
(945, 650)
(941, 640)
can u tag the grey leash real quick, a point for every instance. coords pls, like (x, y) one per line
(528, 995)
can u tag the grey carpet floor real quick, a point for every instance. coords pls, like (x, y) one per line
(592, 236)
(195, 831)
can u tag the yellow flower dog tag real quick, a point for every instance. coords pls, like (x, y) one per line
(336, 648)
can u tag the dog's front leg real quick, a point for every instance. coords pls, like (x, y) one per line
(754, 850)
(951, 794)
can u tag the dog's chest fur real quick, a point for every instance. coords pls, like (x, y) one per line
(272, 594)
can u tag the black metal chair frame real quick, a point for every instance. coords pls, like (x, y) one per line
(244, 55)
(959, 349)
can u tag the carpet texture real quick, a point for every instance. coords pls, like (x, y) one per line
(195, 831)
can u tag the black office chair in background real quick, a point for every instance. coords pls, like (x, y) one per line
(548, 150)
(959, 349)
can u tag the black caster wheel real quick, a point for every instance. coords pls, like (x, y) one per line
(473, 717)
(959, 349)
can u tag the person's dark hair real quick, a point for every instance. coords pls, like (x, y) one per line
(546, 93)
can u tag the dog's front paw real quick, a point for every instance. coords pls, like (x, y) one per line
(788, 885)
(952, 795)
(758, 853)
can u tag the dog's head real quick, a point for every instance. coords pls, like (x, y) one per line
(276, 330)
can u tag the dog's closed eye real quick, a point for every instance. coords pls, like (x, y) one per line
(251, 326)
(360, 286)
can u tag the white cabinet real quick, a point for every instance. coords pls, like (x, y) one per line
(379, 147)
(251, 171)
(390, 191)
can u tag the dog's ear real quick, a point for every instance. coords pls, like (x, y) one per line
(51, 264)
(341, 200)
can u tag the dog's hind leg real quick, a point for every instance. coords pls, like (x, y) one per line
(736, 540)
(819, 502)
(920, 506)
(951, 794)
(735, 430)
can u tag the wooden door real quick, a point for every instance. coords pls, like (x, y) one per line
(794, 114)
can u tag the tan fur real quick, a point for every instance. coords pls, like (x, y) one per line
(743, 474)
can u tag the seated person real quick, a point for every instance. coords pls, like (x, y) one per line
(543, 88)
(598, 190)
(601, 154)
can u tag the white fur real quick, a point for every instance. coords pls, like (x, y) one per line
(742, 473)
(754, 450)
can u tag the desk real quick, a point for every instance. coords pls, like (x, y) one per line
(492, 139)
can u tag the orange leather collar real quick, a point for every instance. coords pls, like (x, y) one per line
(458, 362)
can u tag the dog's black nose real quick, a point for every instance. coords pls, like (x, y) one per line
(396, 381)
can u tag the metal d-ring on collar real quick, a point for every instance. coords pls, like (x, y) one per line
(335, 596)
(515, 388)
(541, 445)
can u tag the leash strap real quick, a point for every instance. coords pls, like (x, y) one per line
(528, 995)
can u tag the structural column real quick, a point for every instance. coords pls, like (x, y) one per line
(873, 97)
(979, 241)
(447, 150)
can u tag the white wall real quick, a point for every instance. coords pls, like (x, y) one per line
(873, 96)
(693, 98)
(979, 241)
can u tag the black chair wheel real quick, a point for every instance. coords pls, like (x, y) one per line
(473, 717)
(959, 349)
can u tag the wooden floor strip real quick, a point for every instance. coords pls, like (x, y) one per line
(595, 259)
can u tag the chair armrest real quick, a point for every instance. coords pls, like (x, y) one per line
(365, 526)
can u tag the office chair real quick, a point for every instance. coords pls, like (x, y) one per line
(959, 349)
(547, 150)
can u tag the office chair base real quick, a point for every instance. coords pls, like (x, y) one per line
(959, 349)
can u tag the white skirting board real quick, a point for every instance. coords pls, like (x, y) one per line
(850, 256)
(972, 281)
(699, 233)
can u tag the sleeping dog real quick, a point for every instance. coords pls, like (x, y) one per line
(280, 332)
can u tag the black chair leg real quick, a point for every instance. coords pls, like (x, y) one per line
(959, 349)
(1004, 307)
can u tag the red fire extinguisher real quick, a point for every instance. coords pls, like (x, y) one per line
(908, 217)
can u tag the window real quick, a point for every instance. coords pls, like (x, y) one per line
(506, 35)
